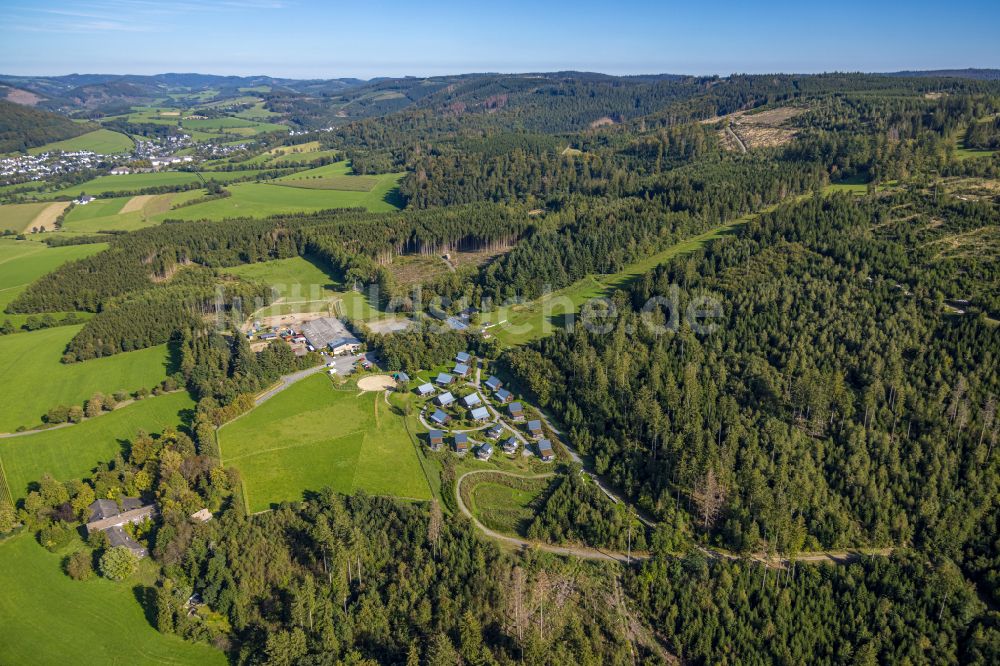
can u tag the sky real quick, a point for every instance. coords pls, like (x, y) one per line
(315, 39)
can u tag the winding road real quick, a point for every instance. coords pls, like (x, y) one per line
(583, 552)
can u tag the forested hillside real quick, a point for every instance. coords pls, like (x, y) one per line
(770, 382)
(22, 127)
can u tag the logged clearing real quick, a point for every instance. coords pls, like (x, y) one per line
(761, 129)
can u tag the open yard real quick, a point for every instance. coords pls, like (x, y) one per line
(101, 141)
(313, 435)
(31, 363)
(50, 619)
(73, 451)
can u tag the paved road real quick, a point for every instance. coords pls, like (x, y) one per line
(343, 364)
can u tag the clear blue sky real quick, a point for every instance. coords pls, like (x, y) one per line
(305, 38)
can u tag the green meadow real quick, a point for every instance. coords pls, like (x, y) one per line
(542, 316)
(50, 619)
(23, 262)
(138, 181)
(313, 435)
(102, 141)
(71, 452)
(263, 199)
(31, 362)
(304, 285)
(17, 217)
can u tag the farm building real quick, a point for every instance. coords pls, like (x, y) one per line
(83, 200)
(461, 369)
(485, 451)
(495, 431)
(545, 450)
(402, 378)
(436, 439)
(445, 399)
(471, 400)
(535, 428)
(463, 357)
(444, 379)
(461, 442)
(439, 417)
(510, 446)
(493, 384)
(120, 171)
(425, 389)
(480, 414)
(516, 411)
(268, 336)
(108, 517)
(331, 333)
(504, 396)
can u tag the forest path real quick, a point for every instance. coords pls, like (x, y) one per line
(735, 136)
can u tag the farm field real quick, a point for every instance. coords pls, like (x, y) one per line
(46, 382)
(138, 181)
(102, 141)
(21, 217)
(117, 213)
(336, 176)
(263, 199)
(23, 262)
(73, 451)
(313, 435)
(48, 618)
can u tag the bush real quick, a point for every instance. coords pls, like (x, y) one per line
(118, 563)
(55, 535)
(79, 565)
(58, 414)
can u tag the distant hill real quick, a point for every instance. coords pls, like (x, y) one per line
(970, 73)
(22, 127)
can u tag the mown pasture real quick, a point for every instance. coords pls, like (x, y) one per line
(48, 618)
(313, 435)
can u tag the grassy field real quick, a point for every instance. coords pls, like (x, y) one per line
(118, 213)
(304, 286)
(138, 181)
(73, 451)
(502, 507)
(263, 199)
(101, 141)
(18, 217)
(48, 618)
(23, 262)
(541, 317)
(312, 435)
(30, 361)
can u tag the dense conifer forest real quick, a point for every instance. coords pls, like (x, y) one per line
(792, 420)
